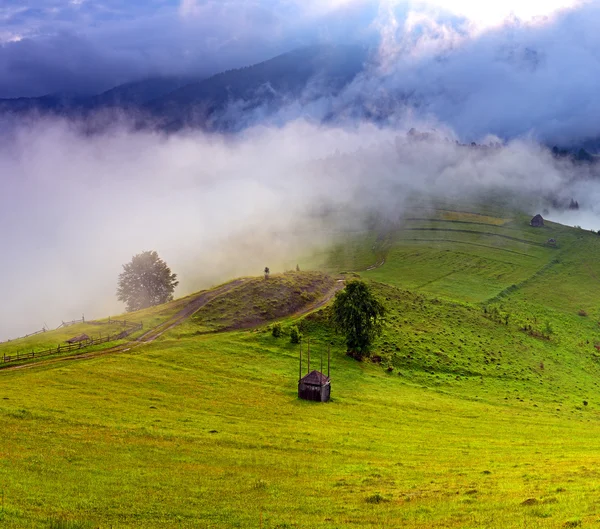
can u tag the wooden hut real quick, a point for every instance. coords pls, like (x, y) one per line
(315, 385)
(537, 221)
(79, 339)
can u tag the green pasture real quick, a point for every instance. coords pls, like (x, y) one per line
(208, 432)
(481, 406)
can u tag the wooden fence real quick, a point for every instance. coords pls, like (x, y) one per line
(43, 329)
(69, 323)
(67, 348)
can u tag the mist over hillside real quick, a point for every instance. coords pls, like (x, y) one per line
(263, 149)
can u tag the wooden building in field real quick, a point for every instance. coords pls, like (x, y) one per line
(315, 385)
(79, 339)
(537, 221)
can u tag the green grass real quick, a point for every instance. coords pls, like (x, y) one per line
(260, 300)
(209, 433)
(51, 339)
(471, 417)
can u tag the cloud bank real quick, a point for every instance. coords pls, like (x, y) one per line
(75, 207)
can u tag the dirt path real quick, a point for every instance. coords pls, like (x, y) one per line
(339, 284)
(149, 336)
(376, 265)
(191, 308)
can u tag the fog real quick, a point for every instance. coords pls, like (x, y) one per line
(75, 207)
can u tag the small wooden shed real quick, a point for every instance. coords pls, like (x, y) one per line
(79, 339)
(315, 386)
(537, 221)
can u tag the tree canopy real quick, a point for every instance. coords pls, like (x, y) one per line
(146, 281)
(358, 315)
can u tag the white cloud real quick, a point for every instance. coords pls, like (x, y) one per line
(76, 207)
(487, 14)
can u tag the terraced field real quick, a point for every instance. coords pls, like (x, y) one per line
(471, 257)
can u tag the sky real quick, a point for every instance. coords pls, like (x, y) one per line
(74, 207)
(87, 46)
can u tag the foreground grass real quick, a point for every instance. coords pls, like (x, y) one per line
(208, 432)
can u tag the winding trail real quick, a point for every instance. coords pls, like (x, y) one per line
(376, 265)
(193, 306)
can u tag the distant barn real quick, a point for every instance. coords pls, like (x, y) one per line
(537, 221)
(79, 339)
(315, 385)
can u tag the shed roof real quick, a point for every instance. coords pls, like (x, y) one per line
(315, 378)
(538, 220)
(80, 338)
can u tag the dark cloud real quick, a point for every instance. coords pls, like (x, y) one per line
(534, 80)
(91, 46)
(537, 78)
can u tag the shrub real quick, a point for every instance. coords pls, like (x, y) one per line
(276, 330)
(376, 498)
(295, 335)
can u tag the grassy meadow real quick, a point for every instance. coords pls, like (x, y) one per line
(481, 409)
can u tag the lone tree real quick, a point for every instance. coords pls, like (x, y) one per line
(146, 281)
(358, 315)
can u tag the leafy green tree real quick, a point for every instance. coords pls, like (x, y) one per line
(358, 315)
(146, 281)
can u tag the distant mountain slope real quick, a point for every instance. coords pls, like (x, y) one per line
(139, 92)
(129, 95)
(226, 100)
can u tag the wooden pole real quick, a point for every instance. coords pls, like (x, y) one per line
(300, 370)
(308, 353)
(328, 359)
(321, 360)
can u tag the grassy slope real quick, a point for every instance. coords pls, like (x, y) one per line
(150, 317)
(205, 431)
(53, 338)
(208, 433)
(261, 300)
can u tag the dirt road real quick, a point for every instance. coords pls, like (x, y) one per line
(149, 336)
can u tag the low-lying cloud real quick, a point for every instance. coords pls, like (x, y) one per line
(75, 207)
